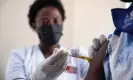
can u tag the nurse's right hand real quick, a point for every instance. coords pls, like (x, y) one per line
(52, 67)
(96, 70)
(97, 43)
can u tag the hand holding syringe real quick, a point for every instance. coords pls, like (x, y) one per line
(92, 50)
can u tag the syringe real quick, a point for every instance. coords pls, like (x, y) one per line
(74, 53)
(84, 57)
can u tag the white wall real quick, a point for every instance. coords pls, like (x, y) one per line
(92, 18)
(67, 39)
(14, 29)
(83, 23)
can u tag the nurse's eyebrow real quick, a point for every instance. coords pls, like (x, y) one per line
(57, 17)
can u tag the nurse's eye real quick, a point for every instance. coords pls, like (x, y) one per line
(56, 21)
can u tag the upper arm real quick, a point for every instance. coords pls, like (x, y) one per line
(15, 68)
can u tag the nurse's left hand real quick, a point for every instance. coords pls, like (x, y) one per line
(52, 67)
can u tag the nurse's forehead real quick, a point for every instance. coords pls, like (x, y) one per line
(49, 12)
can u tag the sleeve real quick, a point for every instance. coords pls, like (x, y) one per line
(110, 49)
(15, 67)
(84, 69)
(84, 63)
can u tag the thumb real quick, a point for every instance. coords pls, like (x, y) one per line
(101, 52)
(50, 60)
(102, 39)
(55, 50)
(104, 46)
(96, 43)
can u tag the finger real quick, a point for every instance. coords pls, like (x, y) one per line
(55, 50)
(54, 57)
(61, 60)
(91, 51)
(96, 43)
(64, 55)
(66, 51)
(63, 51)
(62, 63)
(102, 39)
(104, 46)
(48, 68)
(62, 68)
(101, 52)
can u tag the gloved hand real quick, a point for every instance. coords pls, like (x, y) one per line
(98, 50)
(96, 45)
(52, 67)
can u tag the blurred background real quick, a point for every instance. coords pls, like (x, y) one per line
(86, 19)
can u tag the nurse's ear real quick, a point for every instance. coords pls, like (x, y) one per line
(34, 28)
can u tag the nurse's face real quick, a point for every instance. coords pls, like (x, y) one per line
(48, 25)
(126, 0)
(48, 15)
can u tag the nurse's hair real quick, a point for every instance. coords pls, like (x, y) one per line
(39, 4)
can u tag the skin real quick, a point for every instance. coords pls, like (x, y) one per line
(96, 71)
(47, 15)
